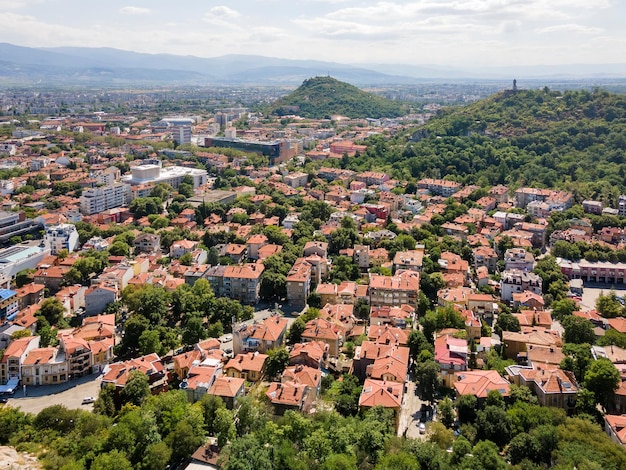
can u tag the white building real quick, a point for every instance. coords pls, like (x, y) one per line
(515, 282)
(96, 200)
(59, 237)
(172, 175)
(182, 135)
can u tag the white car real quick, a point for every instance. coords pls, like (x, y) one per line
(227, 338)
(88, 400)
(422, 428)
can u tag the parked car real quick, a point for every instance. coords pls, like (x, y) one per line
(422, 428)
(4, 400)
(226, 338)
(88, 400)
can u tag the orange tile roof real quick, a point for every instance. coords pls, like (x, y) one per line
(247, 362)
(480, 382)
(226, 386)
(288, 393)
(381, 393)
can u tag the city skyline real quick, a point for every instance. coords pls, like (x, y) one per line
(440, 32)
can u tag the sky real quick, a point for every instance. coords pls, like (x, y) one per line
(440, 32)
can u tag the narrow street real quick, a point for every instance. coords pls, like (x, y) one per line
(409, 414)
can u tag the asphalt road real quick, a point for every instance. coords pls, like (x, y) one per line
(69, 394)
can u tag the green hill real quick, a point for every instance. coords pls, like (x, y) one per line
(574, 140)
(322, 97)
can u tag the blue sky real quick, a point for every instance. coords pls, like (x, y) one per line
(443, 32)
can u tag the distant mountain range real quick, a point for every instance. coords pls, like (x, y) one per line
(106, 66)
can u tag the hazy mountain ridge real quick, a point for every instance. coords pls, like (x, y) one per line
(76, 65)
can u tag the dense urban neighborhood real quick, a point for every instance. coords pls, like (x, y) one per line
(252, 290)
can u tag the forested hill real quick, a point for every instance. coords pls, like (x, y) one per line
(574, 140)
(321, 97)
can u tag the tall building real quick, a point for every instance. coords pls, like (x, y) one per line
(59, 237)
(182, 135)
(96, 200)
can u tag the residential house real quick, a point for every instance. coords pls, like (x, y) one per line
(553, 387)
(451, 355)
(410, 260)
(519, 259)
(254, 244)
(516, 281)
(147, 243)
(394, 316)
(615, 427)
(402, 288)
(482, 304)
(229, 389)
(97, 298)
(311, 354)
(485, 256)
(528, 300)
(382, 393)
(78, 355)
(29, 294)
(243, 282)
(479, 383)
(118, 373)
(287, 396)
(200, 378)
(51, 276)
(14, 356)
(518, 342)
(316, 248)
(385, 334)
(248, 366)
(261, 337)
(298, 283)
(325, 331)
(182, 247)
(44, 366)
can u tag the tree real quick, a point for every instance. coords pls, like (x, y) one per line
(486, 457)
(119, 249)
(276, 362)
(521, 447)
(114, 460)
(105, 404)
(246, 453)
(52, 310)
(273, 286)
(563, 308)
(294, 334)
(137, 389)
(186, 259)
(446, 412)
(578, 330)
(494, 424)
(397, 461)
(25, 276)
(347, 399)
(149, 342)
(506, 322)
(608, 306)
(427, 377)
(156, 457)
(577, 359)
(417, 343)
(194, 330)
(602, 378)
(439, 434)
(466, 408)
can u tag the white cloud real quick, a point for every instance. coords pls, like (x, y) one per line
(223, 12)
(135, 10)
(571, 27)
